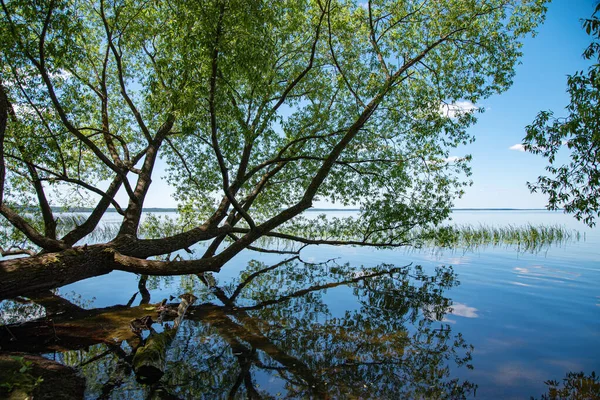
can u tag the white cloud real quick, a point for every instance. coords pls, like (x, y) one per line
(456, 109)
(521, 147)
(517, 147)
(463, 310)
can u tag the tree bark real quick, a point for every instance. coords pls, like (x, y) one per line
(21, 276)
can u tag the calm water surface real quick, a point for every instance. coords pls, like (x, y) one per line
(496, 325)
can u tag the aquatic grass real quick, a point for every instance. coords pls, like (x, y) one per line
(104, 232)
(526, 238)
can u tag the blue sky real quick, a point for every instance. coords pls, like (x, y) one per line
(499, 173)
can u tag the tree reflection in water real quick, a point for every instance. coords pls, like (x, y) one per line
(274, 333)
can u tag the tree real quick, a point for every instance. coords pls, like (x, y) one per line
(576, 184)
(259, 109)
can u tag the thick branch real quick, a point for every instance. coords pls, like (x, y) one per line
(144, 248)
(133, 213)
(32, 234)
(165, 268)
(51, 270)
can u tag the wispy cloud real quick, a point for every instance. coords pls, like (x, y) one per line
(521, 147)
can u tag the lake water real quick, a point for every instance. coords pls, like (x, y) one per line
(499, 324)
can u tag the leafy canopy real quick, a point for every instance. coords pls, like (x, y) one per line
(259, 109)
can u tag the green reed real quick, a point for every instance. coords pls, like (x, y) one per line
(528, 238)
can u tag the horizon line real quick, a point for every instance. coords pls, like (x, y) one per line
(173, 209)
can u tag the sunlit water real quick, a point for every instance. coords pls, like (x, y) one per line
(529, 317)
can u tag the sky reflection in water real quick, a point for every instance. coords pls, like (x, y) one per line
(271, 333)
(529, 317)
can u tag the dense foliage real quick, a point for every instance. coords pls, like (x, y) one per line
(259, 109)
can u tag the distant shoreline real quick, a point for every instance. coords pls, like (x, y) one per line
(166, 210)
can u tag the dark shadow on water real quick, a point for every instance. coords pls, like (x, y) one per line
(289, 330)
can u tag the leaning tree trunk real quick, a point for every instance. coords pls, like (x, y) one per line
(21, 276)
